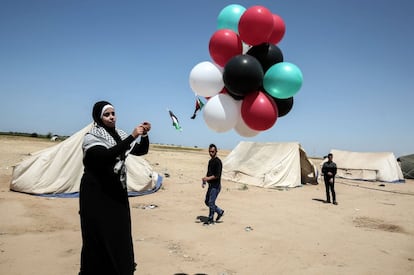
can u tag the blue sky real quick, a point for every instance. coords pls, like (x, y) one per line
(58, 57)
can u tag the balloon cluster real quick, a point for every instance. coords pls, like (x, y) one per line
(248, 85)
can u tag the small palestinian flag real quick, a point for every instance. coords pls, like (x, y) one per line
(175, 122)
(198, 106)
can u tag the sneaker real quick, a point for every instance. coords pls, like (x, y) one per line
(219, 216)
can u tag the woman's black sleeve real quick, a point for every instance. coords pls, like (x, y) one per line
(141, 148)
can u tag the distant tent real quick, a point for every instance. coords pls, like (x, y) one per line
(369, 166)
(57, 170)
(269, 165)
(407, 166)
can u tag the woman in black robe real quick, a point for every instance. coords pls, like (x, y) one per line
(107, 246)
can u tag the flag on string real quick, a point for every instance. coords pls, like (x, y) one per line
(198, 106)
(175, 122)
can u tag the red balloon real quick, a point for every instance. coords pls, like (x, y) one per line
(279, 29)
(224, 44)
(259, 111)
(256, 25)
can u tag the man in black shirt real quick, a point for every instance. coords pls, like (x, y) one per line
(213, 178)
(329, 172)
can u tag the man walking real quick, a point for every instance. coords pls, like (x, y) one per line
(329, 172)
(213, 178)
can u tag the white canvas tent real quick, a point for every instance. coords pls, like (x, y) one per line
(269, 165)
(369, 166)
(407, 166)
(58, 170)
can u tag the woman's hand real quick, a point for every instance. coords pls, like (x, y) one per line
(147, 126)
(141, 129)
(138, 131)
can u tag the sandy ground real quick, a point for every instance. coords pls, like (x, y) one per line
(263, 231)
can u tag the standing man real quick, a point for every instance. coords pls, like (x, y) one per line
(329, 172)
(213, 178)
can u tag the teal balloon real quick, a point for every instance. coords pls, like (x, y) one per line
(282, 80)
(229, 17)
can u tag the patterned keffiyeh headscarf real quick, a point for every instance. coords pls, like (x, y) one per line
(98, 135)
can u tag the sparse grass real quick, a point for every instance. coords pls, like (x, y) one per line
(175, 148)
(31, 135)
(378, 224)
(243, 187)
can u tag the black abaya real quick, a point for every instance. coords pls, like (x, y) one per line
(107, 246)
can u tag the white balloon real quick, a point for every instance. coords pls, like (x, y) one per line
(243, 130)
(221, 113)
(245, 47)
(241, 127)
(206, 79)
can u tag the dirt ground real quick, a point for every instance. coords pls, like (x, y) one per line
(263, 231)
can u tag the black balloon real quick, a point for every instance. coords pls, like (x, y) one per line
(243, 74)
(283, 105)
(267, 54)
(236, 97)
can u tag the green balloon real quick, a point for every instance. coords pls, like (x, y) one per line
(282, 80)
(229, 17)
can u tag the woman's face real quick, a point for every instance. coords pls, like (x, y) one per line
(109, 118)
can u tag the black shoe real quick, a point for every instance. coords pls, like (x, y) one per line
(335, 203)
(219, 216)
(327, 201)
